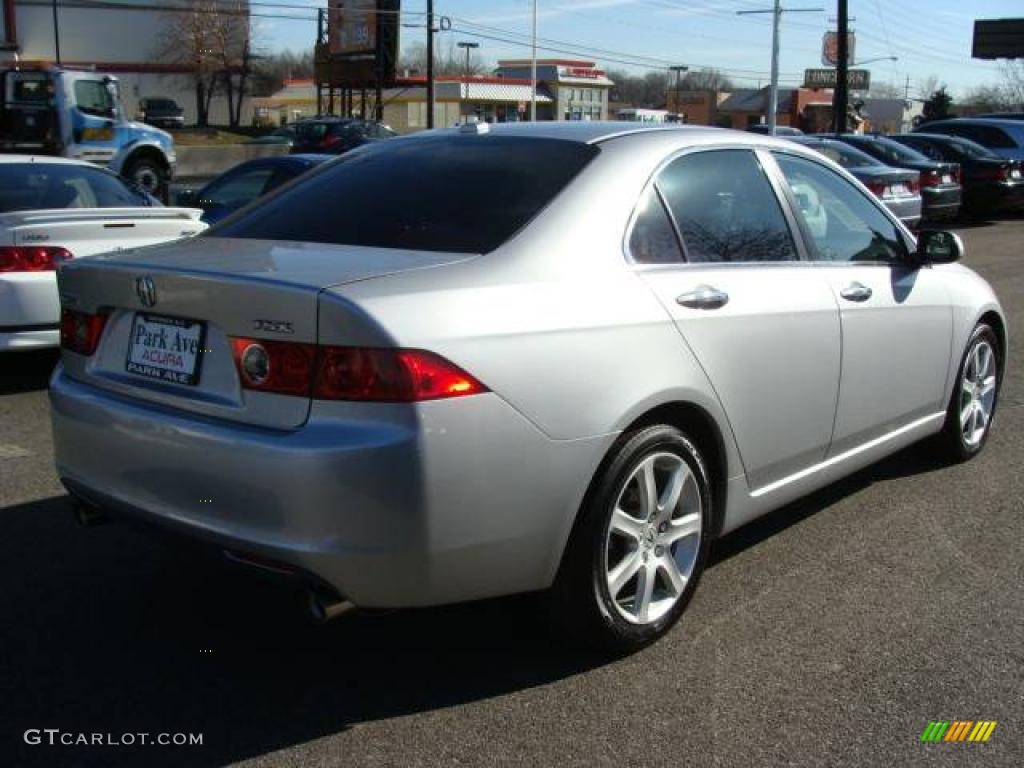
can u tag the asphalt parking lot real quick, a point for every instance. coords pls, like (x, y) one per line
(828, 633)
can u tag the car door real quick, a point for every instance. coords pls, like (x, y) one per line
(94, 127)
(896, 318)
(716, 247)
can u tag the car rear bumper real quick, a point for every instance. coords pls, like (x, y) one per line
(940, 202)
(29, 310)
(391, 505)
(906, 209)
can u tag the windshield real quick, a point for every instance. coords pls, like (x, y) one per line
(452, 193)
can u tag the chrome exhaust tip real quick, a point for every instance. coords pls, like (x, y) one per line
(324, 608)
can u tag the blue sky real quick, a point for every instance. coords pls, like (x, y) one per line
(929, 37)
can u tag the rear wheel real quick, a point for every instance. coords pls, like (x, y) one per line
(638, 550)
(973, 404)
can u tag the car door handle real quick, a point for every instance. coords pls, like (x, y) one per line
(703, 297)
(856, 292)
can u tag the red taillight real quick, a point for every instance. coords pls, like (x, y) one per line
(394, 375)
(80, 332)
(329, 141)
(879, 188)
(349, 373)
(274, 366)
(914, 185)
(32, 258)
(931, 178)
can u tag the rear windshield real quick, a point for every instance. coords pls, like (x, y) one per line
(454, 193)
(893, 152)
(37, 186)
(844, 154)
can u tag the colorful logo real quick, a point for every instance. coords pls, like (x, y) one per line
(958, 730)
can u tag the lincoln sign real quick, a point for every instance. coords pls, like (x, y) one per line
(856, 79)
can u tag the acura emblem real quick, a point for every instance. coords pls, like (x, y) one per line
(145, 289)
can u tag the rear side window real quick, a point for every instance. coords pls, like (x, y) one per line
(725, 208)
(653, 238)
(455, 193)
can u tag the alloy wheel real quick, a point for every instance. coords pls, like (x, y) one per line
(977, 393)
(653, 538)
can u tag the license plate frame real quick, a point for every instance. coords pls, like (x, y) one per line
(159, 370)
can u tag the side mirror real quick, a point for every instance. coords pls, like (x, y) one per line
(938, 247)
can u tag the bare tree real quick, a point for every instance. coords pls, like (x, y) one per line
(211, 38)
(448, 60)
(705, 79)
(1013, 84)
(885, 90)
(986, 98)
(928, 86)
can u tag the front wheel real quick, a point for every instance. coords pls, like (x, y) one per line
(973, 404)
(636, 555)
(148, 174)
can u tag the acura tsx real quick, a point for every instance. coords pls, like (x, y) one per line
(560, 358)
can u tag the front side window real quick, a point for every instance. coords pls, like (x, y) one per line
(93, 97)
(844, 225)
(725, 208)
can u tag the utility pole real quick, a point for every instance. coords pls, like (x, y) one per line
(533, 68)
(773, 88)
(430, 64)
(842, 95)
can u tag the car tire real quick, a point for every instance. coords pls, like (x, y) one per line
(148, 174)
(972, 405)
(593, 599)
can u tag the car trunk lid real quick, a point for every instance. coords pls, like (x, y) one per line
(205, 293)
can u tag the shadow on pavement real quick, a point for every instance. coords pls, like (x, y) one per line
(26, 371)
(115, 630)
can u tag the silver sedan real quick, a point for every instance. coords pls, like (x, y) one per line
(500, 359)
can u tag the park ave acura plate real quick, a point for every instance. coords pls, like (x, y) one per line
(166, 348)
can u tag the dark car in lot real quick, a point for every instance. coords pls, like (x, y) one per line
(284, 134)
(898, 188)
(941, 192)
(1004, 137)
(162, 113)
(992, 184)
(780, 130)
(246, 182)
(337, 135)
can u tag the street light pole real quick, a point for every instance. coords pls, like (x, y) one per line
(678, 69)
(56, 33)
(533, 67)
(430, 64)
(773, 88)
(468, 46)
(842, 94)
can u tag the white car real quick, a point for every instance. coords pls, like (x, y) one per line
(52, 210)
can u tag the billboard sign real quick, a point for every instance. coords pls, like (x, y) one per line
(998, 39)
(361, 46)
(352, 27)
(856, 79)
(830, 49)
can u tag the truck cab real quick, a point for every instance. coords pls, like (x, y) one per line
(78, 114)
